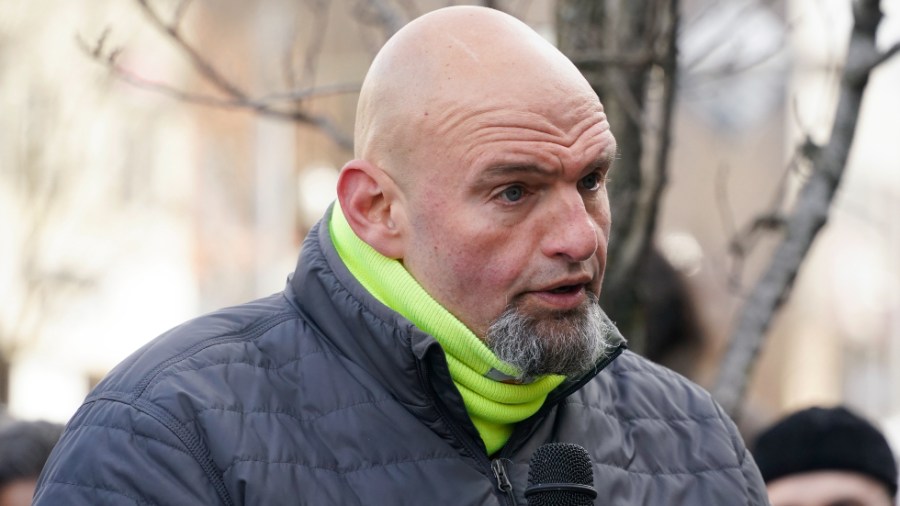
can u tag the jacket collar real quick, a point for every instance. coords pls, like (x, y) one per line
(362, 329)
(373, 336)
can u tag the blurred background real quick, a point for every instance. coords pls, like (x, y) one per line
(163, 159)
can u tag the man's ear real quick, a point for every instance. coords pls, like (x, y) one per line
(370, 201)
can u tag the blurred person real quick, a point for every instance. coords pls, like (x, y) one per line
(675, 335)
(826, 457)
(442, 322)
(24, 448)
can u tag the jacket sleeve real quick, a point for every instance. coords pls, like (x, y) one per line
(756, 488)
(113, 453)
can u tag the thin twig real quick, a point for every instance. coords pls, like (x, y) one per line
(886, 55)
(201, 64)
(266, 106)
(320, 91)
(590, 60)
(283, 105)
(314, 47)
(180, 11)
(660, 175)
(381, 14)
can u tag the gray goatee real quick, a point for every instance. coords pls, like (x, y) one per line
(568, 343)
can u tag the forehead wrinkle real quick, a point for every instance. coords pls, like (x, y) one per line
(491, 134)
(469, 120)
(477, 123)
(484, 138)
(542, 118)
(451, 117)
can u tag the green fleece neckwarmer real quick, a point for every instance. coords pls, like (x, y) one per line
(494, 405)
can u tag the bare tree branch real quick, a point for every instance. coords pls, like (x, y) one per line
(734, 69)
(744, 241)
(318, 29)
(286, 106)
(590, 60)
(262, 107)
(180, 11)
(886, 55)
(810, 212)
(380, 13)
(410, 9)
(46, 187)
(323, 90)
(201, 64)
(660, 172)
(723, 204)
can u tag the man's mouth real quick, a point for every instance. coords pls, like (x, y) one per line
(565, 289)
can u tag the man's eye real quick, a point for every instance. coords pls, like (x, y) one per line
(592, 181)
(513, 193)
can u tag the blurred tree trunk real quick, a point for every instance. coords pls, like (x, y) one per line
(627, 51)
(809, 213)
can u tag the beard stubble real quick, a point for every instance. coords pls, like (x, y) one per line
(567, 343)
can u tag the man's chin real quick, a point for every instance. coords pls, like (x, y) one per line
(539, 341)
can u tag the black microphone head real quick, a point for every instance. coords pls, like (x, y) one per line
(560, 474)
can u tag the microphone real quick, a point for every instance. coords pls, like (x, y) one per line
(560, 474)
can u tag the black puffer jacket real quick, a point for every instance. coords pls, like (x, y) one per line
(321, 395)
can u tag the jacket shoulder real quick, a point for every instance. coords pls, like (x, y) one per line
(651, 388)
(234, 334)
(636, 391)
(666, 433)
(167, 407)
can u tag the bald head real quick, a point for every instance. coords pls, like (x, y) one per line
(446, 66)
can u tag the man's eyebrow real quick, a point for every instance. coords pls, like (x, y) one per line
(845, 501)
(606, 161)
(504, 169)
(609, 156)
(514, 168)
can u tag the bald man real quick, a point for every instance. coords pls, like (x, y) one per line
(441, 325)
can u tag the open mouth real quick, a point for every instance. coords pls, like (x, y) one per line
(566, 289)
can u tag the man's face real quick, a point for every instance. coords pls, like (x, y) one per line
(508, 208)
(828, 488)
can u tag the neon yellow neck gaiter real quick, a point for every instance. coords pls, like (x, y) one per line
(494, 406)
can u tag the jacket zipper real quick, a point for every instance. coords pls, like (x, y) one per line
(503, 482)
(497, 468)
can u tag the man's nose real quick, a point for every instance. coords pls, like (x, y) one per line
(571, 231)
